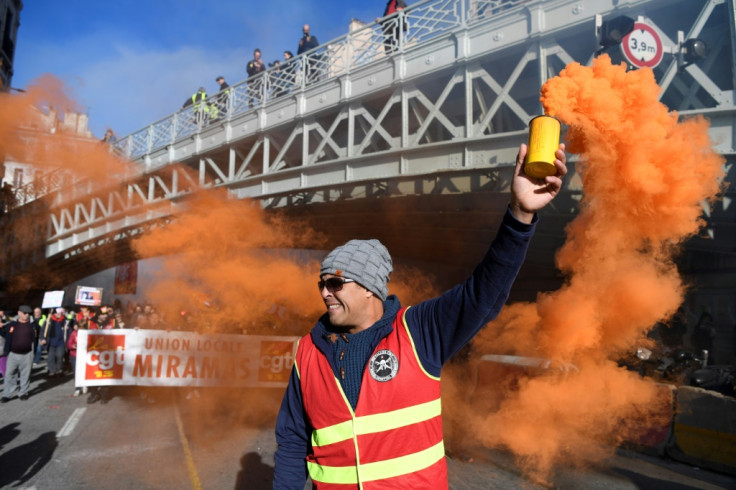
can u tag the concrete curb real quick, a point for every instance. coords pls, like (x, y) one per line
(704, 429)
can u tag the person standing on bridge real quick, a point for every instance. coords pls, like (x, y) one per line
(363, 401)
(307, 42)
(19, 351)
(391, 26)
(199, 107)
(310, 65)
(109, 137)
(288, 71)
(255, 66)
(219, 106)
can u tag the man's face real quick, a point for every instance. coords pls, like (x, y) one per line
(37, 312)
(305, 29)
(348, 307)
(256, 55)
(22, 316)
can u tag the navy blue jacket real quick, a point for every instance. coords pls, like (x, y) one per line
(439, 327)
(55, 332)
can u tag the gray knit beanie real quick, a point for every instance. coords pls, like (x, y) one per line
(367, 262)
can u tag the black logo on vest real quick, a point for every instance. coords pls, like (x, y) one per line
(384, 365)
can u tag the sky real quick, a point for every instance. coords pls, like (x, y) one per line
(130, 63)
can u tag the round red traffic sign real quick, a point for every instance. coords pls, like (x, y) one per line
(643, 46)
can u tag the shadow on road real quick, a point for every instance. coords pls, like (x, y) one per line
(254, 474)
(21, 463)
(8, 433)
(643, 481)
(45, 382)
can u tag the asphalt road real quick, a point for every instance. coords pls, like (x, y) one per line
(223, 439)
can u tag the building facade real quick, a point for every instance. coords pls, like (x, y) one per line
(9, 23)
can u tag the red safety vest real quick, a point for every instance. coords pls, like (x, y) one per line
(393, 439)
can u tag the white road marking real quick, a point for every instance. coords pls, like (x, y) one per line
(118, 451)
(72, 422)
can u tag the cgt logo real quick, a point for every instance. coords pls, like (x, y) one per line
(104, 359)
(277, 358)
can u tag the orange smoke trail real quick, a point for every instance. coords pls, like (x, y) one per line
(644, 175)
(214, 253)
(31, 133)
(25, 134)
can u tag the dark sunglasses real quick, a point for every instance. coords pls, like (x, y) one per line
(333, 284)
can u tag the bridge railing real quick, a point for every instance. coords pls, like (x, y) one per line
(43, 185)
(398, 32)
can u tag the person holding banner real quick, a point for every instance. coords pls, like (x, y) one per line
(362, 406)
(84, 322)
(105, 321)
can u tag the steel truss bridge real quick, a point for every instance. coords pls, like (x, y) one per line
(428, 105)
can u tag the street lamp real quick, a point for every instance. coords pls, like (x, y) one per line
(612, 32)
(690, 51)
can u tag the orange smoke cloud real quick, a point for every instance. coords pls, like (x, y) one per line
(40, 128)
(26, 135)
(233, 256)
(644, 175)
(217, 267)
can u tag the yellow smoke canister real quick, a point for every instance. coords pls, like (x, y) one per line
(544, 140)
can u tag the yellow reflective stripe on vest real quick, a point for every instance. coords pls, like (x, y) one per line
(414, 347)
(379, 470)
(379, 422)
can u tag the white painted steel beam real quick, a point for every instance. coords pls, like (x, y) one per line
(455, 95)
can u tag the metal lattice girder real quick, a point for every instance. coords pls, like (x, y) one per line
(434, 108)
(502, 93)
(375, 127)
(454, 94)
(326, 138)
(473, 27)
(94, 209)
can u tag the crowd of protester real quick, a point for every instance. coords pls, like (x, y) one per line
(286, 73)
(48, 340)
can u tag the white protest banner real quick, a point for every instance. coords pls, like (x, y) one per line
(160, 358)
(52, 299)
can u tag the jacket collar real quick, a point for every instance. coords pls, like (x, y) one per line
(320, 332)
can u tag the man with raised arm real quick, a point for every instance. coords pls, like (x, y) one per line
(362, 408)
